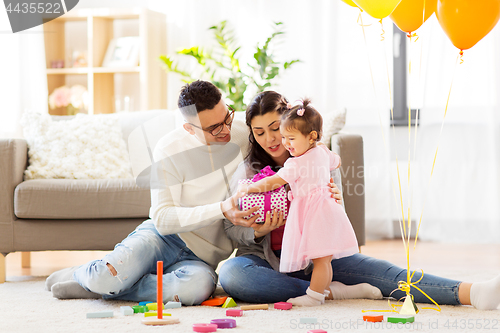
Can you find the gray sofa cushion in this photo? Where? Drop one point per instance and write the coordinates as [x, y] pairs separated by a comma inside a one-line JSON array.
[[81, 199]]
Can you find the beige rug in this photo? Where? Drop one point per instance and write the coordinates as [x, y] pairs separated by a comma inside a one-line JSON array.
[[26, 307]]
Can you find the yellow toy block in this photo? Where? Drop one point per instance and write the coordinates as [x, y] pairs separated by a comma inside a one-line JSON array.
[[229, 303]]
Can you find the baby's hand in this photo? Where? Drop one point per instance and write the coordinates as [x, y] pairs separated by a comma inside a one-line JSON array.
[[243, 189]]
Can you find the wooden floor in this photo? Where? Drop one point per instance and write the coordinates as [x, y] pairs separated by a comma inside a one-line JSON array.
[[428, 256]]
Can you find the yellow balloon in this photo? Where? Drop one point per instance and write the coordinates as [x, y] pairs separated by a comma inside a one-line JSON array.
[[378, 8], [350, 3], [409, 15]]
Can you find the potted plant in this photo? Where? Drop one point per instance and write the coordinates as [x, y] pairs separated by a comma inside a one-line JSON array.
[[221, 65]]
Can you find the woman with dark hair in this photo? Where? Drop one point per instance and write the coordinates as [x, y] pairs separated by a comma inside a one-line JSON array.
[[253, 275]]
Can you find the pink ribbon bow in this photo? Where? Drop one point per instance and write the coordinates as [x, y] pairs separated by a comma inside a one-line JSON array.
[[266, 172]]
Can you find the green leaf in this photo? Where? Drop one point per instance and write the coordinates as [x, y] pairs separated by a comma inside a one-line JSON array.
[[287, 65]]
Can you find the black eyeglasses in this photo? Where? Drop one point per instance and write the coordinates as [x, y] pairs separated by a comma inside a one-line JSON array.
[[217, 128]]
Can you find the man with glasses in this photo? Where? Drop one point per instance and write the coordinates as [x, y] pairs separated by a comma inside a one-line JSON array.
[[188, 205]]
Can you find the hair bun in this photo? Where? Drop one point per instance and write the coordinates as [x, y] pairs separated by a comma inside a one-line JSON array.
[[306, 102]]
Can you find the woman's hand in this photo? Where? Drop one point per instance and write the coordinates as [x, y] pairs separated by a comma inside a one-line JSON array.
[[335, 191], [272, 222]]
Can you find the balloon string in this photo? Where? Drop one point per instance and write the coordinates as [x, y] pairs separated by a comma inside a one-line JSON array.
[[461, 56], [360, 22], [410, 35], [382, 38], [360, 19], [405, 232], [437, 148], [416, 120]]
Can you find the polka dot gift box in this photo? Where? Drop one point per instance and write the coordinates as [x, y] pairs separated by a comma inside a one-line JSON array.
[[267, 201]]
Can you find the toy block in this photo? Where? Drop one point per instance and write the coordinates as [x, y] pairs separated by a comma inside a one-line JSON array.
[[172, 305], [283, 306], [140, 309], [224, 323], [401, 319], [155, 314], [234, 313], [255, 307], [409, 307], [216, 301], [156, 321], [204, 327], [101, 314], [126, 310], [308, 320], [373, 318], [144, 303], [154, 306], [229, 303]]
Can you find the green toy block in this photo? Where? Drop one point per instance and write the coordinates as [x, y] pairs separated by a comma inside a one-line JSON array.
[[229, 303], [401, 319], [140, 309]]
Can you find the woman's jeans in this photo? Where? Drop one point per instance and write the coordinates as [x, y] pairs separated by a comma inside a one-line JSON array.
[[251, 279], [134, 259]]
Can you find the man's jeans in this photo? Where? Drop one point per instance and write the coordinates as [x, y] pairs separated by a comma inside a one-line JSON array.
[[134, 259]]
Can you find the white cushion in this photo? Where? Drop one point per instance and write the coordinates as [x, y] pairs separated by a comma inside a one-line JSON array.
[[333, 122], [84, 147]]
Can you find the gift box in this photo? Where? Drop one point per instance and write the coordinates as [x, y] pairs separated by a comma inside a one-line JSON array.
[[267, 201]]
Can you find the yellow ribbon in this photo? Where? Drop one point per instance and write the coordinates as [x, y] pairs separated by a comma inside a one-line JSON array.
[[360, 20], [410, 35], [405, 286], [382, 38]]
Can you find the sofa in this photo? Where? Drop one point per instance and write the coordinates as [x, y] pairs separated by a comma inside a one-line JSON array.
[[96, 214]]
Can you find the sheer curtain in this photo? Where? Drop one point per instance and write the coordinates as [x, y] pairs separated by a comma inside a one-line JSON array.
[[462, 202], [23, 81]]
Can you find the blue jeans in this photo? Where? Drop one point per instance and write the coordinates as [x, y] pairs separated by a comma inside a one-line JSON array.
[[134, 259], [251, 279]]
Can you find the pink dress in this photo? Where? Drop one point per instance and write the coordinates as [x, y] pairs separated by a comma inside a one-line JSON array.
[[316, 226]]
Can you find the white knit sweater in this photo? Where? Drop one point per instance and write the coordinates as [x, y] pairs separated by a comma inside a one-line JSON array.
[[197, 178]]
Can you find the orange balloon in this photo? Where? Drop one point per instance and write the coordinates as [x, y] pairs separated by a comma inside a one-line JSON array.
[[466, 22], [409, 14], [350, 3]]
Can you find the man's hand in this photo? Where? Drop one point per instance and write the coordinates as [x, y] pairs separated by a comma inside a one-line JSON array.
[[230, 210], [270, 223], [335, 191]]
